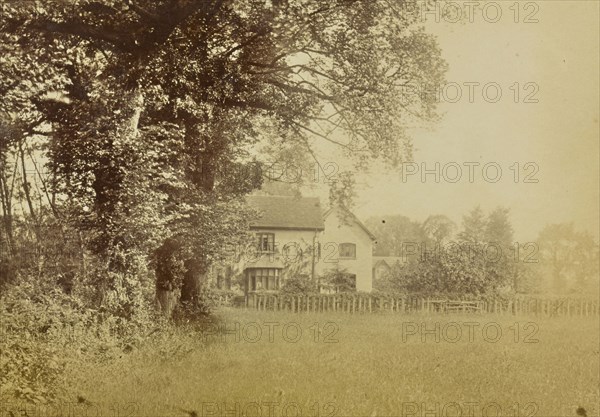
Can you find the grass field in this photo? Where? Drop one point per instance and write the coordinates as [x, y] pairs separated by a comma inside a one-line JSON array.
[[343, 365]]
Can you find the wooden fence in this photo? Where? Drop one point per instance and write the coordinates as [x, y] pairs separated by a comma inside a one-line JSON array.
[[360, 304]]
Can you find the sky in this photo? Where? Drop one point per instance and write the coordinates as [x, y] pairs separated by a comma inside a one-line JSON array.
[[543, 126]]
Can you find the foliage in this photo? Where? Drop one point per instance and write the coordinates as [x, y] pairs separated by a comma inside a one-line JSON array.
[[338, 280], [459, 269], [499, 241], [569, 258], [44, 330], [474, 226], [482, 260], [150, 109], [299, 284], [438, 229], [395, 234]]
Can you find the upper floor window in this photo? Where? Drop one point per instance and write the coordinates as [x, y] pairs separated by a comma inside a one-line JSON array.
[[347, 251], [266, 242]]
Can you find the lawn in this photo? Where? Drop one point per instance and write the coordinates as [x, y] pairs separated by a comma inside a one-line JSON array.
[[265, 363]]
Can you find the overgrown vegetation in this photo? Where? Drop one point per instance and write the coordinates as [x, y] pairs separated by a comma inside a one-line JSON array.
[[130, 133]]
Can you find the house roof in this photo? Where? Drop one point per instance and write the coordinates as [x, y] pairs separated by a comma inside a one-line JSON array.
[[387, 260], [285, 212], [354, 219]]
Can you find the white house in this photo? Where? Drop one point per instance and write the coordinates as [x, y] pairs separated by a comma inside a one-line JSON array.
[[295, 234], [285, 234], [346, 244]]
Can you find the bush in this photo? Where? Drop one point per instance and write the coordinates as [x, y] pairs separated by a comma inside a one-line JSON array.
[[464, 271], [209, 298], [44, 329], [339, 280], [299, 284]]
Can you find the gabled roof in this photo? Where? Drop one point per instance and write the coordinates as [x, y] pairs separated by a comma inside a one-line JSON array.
[[353, 218], [390, 261], [285, 212]]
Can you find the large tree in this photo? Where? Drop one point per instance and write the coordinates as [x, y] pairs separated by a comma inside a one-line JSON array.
[[501, 263], [396, 235], [474, 227], [568, 258], [157, 105], [438, 229]]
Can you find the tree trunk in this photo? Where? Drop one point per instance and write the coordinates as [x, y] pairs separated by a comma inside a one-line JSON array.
[[5, 200], [166, 301], [195, 270], [27, 192]]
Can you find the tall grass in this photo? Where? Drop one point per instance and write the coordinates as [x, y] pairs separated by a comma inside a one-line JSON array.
[[364, 365]]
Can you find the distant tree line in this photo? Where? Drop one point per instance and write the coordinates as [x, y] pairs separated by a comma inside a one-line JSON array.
[[482, 257]]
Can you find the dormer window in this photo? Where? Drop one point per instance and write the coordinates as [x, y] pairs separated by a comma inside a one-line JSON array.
[[347, 251], [266, 242]]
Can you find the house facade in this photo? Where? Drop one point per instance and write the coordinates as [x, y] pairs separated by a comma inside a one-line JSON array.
[[286, 234], [347, 245], [295, 235]]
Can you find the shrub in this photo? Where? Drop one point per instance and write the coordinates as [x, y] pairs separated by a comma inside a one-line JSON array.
[[209, 298], [339, 280], [299, 284], [44, 329]]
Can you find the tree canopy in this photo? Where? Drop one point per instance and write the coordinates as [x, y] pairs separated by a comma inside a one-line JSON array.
[[150, 112]]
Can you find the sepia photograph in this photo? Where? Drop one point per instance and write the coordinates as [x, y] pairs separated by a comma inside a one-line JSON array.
[[299, 208]]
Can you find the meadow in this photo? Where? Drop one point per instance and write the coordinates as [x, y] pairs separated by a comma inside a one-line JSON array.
[[257, 363]]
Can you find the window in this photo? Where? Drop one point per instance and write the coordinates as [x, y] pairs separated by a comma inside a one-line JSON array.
[[347, 251], [263, 278], [266, 242]]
